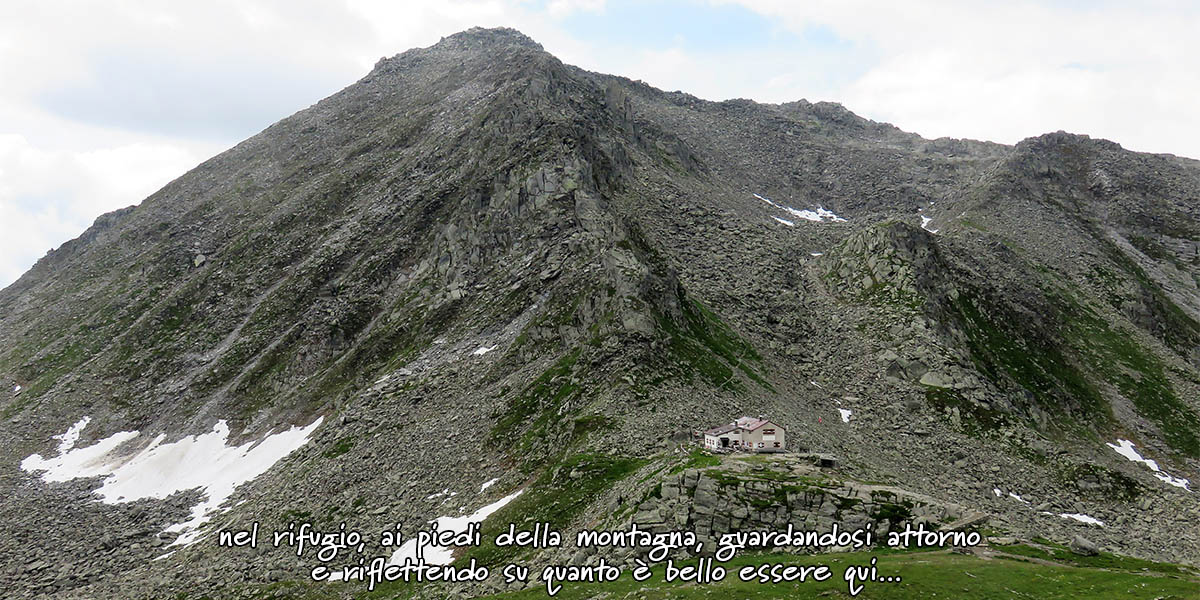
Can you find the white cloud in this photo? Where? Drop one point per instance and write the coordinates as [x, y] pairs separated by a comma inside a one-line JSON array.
[[24, 231], [106, 102], [48, 196], [1006, 71], [562, 8]]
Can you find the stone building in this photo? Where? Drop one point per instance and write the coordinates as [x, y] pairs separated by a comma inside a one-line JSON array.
[[747, 434]]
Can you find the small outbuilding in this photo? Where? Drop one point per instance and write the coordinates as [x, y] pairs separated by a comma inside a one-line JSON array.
[[747, 434]]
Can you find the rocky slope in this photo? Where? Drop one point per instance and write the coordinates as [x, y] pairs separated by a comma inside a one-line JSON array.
[[479, 263]]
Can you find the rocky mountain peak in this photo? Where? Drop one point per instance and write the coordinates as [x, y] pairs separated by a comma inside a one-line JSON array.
[[492, 45], [487, 38]]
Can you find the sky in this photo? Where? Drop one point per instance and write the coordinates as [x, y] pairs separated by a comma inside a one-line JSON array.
[[104, 102]]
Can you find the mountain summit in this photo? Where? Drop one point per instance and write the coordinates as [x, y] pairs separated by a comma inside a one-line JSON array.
[[479, 271]]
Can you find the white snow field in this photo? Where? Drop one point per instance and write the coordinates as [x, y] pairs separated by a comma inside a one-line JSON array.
[[1126, 448], [439, 555], [202, 461]]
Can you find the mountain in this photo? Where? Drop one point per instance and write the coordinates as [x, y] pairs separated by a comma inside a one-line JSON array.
[[478, 271]]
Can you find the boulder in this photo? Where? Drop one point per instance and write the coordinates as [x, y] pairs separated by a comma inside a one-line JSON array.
[[1083, 546], [937, 380]]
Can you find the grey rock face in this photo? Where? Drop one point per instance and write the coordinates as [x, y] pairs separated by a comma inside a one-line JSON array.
[[479, 263], [1083, 546]]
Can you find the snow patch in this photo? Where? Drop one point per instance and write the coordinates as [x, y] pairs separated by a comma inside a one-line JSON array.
[[1126, 448], [925, 221], [483, 350], [66, 441], [999, 493], [816, 253], [442, 555], [819, 215], [845, 414], [17, 389], [73, 463], [1082, 518], [446, 492], [198, 461], [487, 484], [784, 221]]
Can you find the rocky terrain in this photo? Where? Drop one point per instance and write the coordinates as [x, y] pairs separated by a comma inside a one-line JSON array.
[[479, 270]]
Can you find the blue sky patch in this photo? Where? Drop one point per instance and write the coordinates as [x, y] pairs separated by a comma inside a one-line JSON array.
[[693, 26]]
